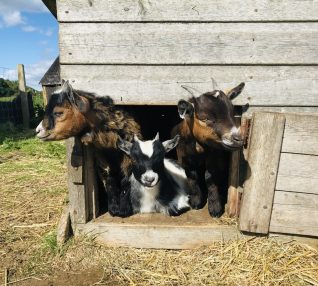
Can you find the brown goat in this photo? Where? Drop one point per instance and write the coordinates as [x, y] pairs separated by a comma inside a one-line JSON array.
[[208, 132], [95, 120]]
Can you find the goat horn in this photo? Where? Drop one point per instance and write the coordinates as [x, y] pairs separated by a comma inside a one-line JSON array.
[[157, 137], [194, 92]]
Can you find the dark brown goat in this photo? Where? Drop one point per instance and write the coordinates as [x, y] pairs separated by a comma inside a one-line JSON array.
[[208, 132], [95, 120]]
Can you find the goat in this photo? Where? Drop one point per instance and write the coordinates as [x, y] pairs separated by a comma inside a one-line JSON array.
[[156, 184], [207, 133], [95, 120]]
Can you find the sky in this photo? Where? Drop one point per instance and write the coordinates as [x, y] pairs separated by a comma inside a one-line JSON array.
[[29, 36]]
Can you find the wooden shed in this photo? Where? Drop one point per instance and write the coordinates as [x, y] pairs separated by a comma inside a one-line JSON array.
[[140, 52]]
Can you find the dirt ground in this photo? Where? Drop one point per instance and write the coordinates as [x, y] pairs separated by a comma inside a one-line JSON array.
[[32, 194]]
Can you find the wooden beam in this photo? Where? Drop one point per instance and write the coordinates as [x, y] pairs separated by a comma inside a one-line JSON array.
[[265, 143], [51, 5], [186, 10], [91, 186], [76, 185], [181, 43], [295, 213], [24, 97], [301, 134], [298, 173], [161, 85]]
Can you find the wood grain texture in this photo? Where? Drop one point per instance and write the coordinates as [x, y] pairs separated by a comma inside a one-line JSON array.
[[161, 85], [295, 213], [24, 96], [298, 173], [63, 231], [76, 186], [90, 179], [263, 158], [186, 10], [301, 135], [311, 110], [196, 43], [234, 196]]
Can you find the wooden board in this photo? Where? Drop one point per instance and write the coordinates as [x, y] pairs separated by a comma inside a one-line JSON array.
[[76, 188], [298, 173], [264, 151], [301, 135], [192, 229], [196, 43], [186, 10], [295, 213], [311, 110], [265, 85]]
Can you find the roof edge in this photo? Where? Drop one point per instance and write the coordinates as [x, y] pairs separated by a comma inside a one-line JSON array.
[[51, 5]]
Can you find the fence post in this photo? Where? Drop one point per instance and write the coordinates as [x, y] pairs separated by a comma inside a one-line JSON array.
[[24, 97]]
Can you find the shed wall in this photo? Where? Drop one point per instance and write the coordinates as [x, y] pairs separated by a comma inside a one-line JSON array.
[[140, 52]]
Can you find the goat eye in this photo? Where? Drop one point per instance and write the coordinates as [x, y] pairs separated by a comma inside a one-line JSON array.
[[57, 114]]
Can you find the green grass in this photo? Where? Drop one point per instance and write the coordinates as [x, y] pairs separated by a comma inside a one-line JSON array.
[[7, 98], [22, 141]]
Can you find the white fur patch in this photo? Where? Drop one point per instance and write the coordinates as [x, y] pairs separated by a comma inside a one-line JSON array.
[[182, 201], [235, 130], [146, 147], [40, 131], [149, 174], [148, 200]]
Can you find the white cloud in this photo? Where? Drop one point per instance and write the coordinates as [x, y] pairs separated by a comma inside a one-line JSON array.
[[22, 6], [11, 13], [29, 28], [33, 73], [12, 18]]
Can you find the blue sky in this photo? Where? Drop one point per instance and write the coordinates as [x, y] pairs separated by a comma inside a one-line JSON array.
[[29, 36]]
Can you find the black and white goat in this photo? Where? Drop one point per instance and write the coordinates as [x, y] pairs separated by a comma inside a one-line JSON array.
[[156, 184]]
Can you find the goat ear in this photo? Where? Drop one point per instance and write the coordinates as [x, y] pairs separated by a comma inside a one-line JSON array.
[[66, 87], [123, 145], [170, 144], [82, 103], [185, 108], [234, 92], [245, 107]]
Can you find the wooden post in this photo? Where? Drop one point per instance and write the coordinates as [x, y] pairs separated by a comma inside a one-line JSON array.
[[266, 136], [45, 95], [234, 196], [76, 184], [24, 97]]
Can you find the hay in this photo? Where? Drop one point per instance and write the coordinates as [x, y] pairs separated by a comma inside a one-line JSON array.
[[253, 261], [33, 191]]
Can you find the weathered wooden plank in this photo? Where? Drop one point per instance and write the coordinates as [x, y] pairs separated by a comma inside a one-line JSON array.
[[298, 173], [301, 134], [265, 85], [196, 43], [295, 213], [283, 109], [143, 236], [264, 151], [301, 200], [64, 229], [91, 186], [24, 96], [77, 196], [186, 10], [234, 196]]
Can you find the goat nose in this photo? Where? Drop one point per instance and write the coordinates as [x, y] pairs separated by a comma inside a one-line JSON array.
[[149, 179]]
